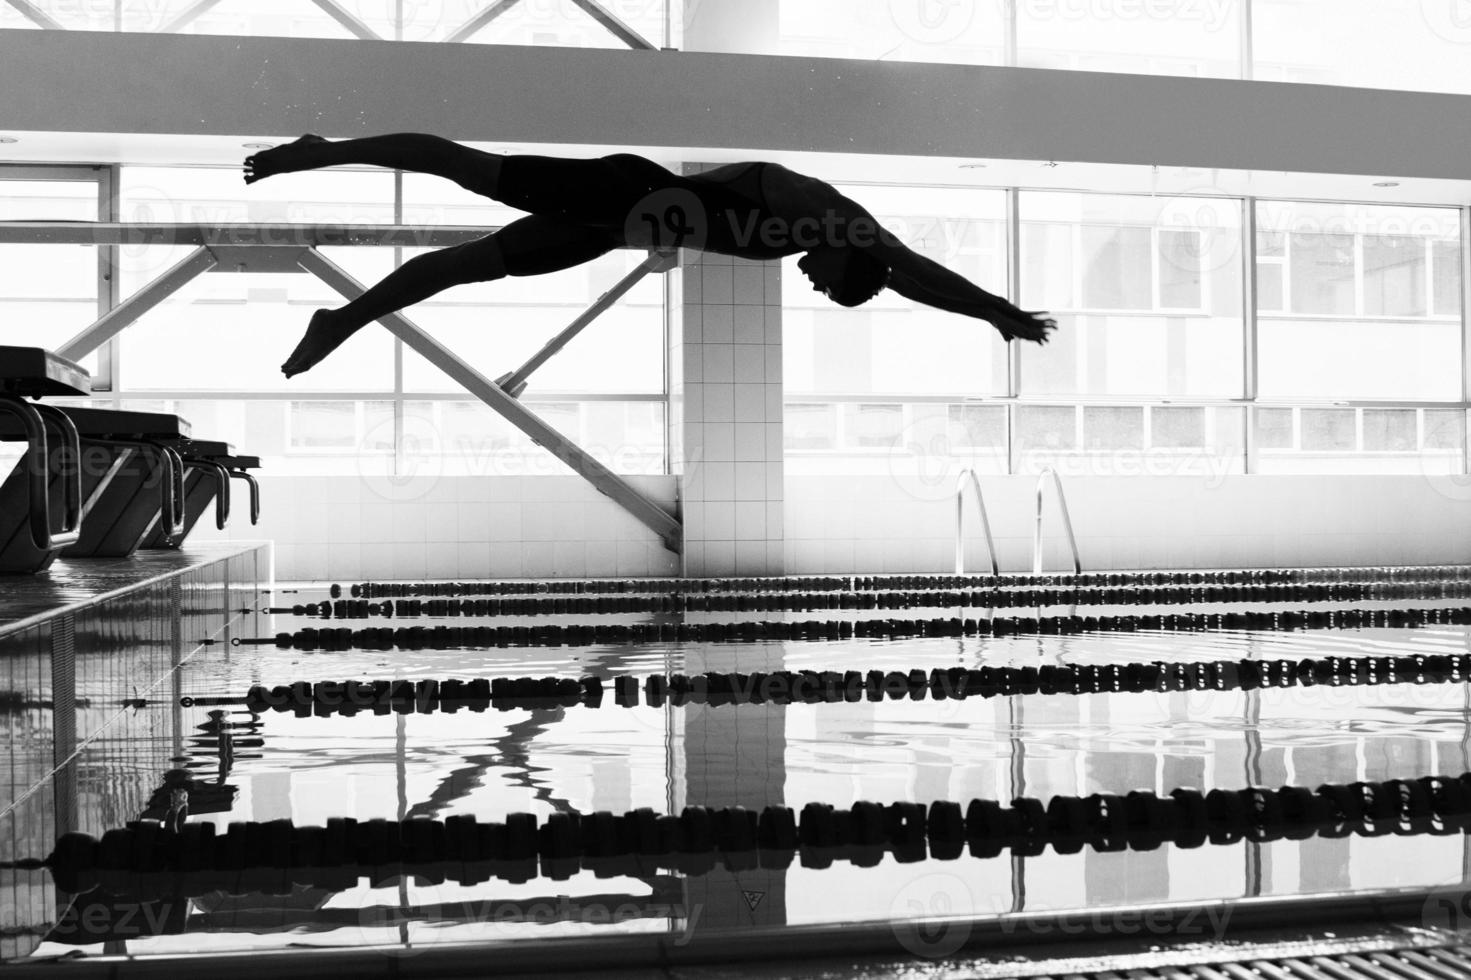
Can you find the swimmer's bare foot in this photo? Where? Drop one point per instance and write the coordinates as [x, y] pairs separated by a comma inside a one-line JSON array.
[[323, 336], [284, 159]]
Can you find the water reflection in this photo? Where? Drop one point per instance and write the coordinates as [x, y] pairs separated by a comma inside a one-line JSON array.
[[235, 766]]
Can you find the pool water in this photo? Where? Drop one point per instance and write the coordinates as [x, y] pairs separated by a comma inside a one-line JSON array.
[[611, 758]]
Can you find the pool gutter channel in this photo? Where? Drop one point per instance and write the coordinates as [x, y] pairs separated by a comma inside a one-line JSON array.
[[1000, 946]]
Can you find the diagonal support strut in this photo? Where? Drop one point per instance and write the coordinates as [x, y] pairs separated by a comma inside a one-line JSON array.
[[115, 321], [582, 463], [515, 382]]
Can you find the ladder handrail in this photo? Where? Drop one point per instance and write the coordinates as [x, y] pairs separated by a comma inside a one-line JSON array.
[[1067, 522], [960, 522]]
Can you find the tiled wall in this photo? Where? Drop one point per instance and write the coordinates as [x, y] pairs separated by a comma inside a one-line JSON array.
[[452, 527], [725, 359], [903, 524]]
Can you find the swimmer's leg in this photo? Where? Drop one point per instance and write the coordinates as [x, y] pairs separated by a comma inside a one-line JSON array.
[[474, 170], [526, 247]]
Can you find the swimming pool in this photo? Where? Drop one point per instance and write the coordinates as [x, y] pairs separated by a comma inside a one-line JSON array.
[[235, 761]]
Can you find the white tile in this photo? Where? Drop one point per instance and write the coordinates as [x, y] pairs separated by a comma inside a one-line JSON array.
[[750, 363], [750, 403], [720, 520], [692, 559], [410, 523], [443, 522], [773, 318], [570, 558], [692, 481], [837, 556], [378, 560], [719, 402], [633, 558], [696, 527], [719, 363], [750, 481], [717, 325], [441, 560], [503, 519], [717, 282], [601, 558], [750, 557], [694, 403], [775, 448], [662, 561], [472, 560], [505, 561], [750, 442], [693, 363], [344, 560], [720, 480], [720, 558], [773, 363], [750, 521], [775, 484], [773, 284], [773, 398], [750, 284], [750, 325], [410, 560], [868, 556], [776, 563], [549, 521], [775, 519], [718, 441], [344, 522], [538, 559]]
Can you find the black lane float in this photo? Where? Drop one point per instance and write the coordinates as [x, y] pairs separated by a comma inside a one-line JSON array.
[[145, 857], [752, 631]]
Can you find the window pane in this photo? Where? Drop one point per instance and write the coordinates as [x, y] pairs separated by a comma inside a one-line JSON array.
[[1162, 37], [977, 427], [1446, 279], [1445, 429], [890, 345], [1113, 428], [1389, 430], [324, 425], [1327, 429], [1394, 276], [1404, 44], [1334, 345], [1177, 428], [968, 33], [1274, 428], [1045, 428], [243, 326], [1157, 349], [809, 427], [48, 293], [1269, 296], [1179, 262], [873, 426]]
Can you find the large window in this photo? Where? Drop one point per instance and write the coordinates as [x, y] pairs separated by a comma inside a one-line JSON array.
[[1349, 362], [1147, 294], [212, 351]]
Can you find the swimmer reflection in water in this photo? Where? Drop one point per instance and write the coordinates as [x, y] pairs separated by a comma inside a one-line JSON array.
[[578, 210]]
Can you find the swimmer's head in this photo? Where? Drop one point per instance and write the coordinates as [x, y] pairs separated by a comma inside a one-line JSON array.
[[847, 276]]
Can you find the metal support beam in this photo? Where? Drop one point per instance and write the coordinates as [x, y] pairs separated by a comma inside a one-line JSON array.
[[348, 20], [616, 27], [194, 264], [515, 382], [582, 463], [480, 20], [304, 236], [36, 16], [188, 16]]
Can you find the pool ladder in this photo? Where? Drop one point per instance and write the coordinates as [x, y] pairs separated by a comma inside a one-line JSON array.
[[1067, 522]]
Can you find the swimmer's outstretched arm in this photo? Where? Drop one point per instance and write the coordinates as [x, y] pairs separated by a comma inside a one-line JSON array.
[[925, 281]]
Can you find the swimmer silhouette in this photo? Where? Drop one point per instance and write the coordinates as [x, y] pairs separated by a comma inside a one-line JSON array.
[[581, 209]]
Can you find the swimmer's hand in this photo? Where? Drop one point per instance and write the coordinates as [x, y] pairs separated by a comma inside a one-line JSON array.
[[1013, 322]]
